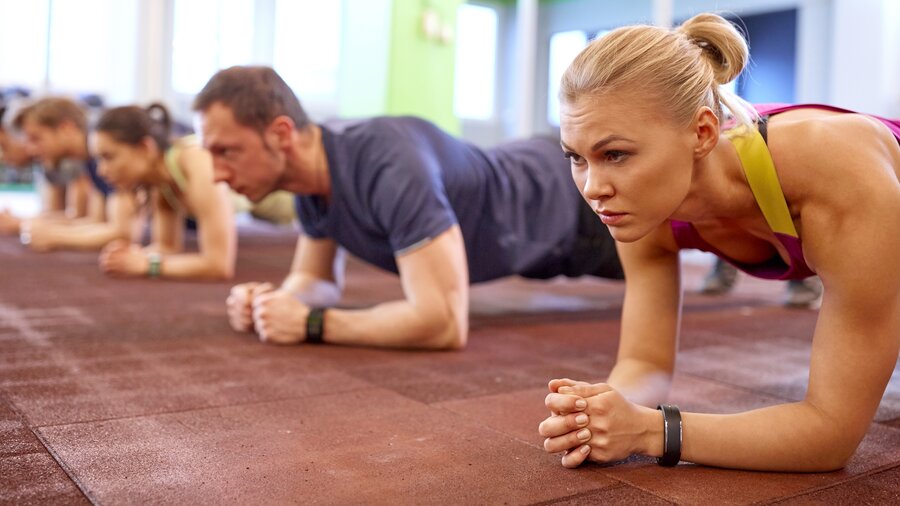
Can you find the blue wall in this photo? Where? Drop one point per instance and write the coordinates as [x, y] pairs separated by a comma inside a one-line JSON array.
[[773, 57]]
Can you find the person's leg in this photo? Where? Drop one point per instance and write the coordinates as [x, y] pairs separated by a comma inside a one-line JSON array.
[[720, 279]]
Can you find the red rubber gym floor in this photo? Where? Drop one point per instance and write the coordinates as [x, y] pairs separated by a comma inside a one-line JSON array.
[[136, 391]]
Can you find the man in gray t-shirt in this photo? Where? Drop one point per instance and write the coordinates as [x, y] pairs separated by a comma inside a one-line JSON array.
[[398, 193]]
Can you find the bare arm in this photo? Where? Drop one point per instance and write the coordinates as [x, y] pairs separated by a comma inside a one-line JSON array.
[[212, 209], [647, 347], [166, 226], [857, 336], [434, 314], [53, 199], [87, 235], [317, 272]]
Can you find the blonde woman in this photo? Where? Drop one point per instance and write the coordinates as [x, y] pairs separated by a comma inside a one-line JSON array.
[[135, 155], [788, 193]]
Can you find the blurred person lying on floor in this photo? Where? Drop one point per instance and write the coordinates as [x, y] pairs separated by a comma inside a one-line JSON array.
[[174, 180], [56, 134], [398, 193], [801, 293], [63, 189]]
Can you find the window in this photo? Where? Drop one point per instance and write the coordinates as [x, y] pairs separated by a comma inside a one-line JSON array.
[[209, 35], [85, 46], [564, 47], [476, 62], [23, 43], [307, 46], [81, 40]]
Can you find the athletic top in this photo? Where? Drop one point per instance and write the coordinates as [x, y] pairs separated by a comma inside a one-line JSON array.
[[171, 164], [399, 182], [763, 179], [99, 183]]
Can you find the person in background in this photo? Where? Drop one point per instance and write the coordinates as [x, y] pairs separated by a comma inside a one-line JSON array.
[[56, 134], [801, 293], [134, 153], [63, 191], [400, 194]]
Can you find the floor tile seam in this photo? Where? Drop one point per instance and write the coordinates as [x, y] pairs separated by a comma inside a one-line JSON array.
[[153, 369], [813, 490], [58, 359], [634, 485], [22, 454], [609, 488], [200, 409], [540, 448], [69, 472]]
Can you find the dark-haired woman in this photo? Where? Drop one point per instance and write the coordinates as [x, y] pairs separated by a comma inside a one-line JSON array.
[[176, 181]]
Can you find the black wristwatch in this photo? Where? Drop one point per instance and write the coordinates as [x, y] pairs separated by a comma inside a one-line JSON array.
[[671, 435]]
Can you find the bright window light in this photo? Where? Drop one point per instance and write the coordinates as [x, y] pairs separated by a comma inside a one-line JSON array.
[[564, 47], [209, 35], [23, 42], [476, 62], [307, 46], [80, 42]]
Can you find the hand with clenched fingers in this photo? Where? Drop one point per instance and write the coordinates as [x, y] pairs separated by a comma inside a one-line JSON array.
[[121, 258], [279, 317], [595, 422], [239, 304]]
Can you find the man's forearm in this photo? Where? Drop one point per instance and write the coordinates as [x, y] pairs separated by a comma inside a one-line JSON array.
[[396, 324]]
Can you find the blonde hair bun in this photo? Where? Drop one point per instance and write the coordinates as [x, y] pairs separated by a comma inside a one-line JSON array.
[[723, 46]]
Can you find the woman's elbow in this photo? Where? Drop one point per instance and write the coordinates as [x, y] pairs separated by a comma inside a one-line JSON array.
[[223, 272], [839, 442], [219, 270], [838, 456]]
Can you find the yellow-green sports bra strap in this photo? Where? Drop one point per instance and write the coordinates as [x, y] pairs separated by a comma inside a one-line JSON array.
[[760, 170]]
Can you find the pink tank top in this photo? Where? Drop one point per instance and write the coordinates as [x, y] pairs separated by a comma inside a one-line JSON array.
[[763, 180]]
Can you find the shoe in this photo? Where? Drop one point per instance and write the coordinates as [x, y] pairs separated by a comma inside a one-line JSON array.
[[721, 279], [805, 294]]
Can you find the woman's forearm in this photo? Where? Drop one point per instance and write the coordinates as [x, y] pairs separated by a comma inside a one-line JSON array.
[[793, 437], [87, 237], [195, 266]]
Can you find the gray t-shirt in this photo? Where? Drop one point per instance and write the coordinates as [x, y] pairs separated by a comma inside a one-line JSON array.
[[398, 182]]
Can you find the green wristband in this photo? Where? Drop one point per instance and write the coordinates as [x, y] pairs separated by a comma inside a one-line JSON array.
[[155, 268]]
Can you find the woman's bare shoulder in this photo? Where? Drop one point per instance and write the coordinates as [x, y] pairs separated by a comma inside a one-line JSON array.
[[192, 158], [818, 154]]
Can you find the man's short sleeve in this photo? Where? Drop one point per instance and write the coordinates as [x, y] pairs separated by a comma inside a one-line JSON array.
[[311, 216], [408, 198]]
